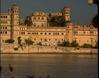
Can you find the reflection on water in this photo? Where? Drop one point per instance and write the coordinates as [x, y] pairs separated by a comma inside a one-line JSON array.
[[57, 66]]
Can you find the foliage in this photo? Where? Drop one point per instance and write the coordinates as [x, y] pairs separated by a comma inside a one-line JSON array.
[[87, 46], [29, 41], [19, 40], [39, 43], [74, 44], [9, 41], [68, 44], [28, 21], [15, 49], [64, 43], [57, 21]]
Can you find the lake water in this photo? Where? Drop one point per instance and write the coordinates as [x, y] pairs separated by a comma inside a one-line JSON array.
[[55, 65]]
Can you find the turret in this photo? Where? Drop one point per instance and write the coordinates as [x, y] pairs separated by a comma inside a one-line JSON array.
[[69, 31], [14, 14], [66, 13]]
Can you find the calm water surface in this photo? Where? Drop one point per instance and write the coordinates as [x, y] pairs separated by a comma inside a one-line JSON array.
[[57, 66]]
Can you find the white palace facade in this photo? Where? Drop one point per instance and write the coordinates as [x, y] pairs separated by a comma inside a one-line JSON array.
[[41, 31]]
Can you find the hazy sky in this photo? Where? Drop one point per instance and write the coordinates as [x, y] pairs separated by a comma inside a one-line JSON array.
[[81, 12]]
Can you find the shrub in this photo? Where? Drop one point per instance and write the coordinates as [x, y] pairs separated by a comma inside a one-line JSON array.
[[57, 21], [39, 44], [87, 46], [15, 49], [74, 44], [29, 41], [9, 41], [19, 40], [64, 43]]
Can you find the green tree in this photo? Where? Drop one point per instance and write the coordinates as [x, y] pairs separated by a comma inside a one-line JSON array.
[[28, 21], [87, 46], [74, 44], [29, 42], [57, 21], [9, 41], [39, 44], [64, 43], [19, 41]]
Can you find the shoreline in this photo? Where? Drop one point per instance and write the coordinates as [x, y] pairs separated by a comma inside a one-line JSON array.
[[83, 53], [48, 50]]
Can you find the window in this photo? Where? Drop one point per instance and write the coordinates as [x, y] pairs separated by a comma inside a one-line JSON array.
[[55, 39], [38, 17], [45, 39], [91, 32], [22, 32], [49, 33], [41, 33], [3, 40], [56, 33], [62, 33], [0, 32], [34, 18], [0, 16], [6, 32], [45, 33], [42, 24], [35, 33], [34, 39], [87, 40], [84, 32], [62, 39], [2, 27], [3, 16], [29, 33], [41, 39], [42, 18], [5, 27]]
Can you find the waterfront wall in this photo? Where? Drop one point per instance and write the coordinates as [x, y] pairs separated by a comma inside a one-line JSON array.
[[45, 49]]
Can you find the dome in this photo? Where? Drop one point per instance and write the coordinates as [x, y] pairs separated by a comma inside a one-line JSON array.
[[40, 13], [14, 6], [69, 23], [66, 8]]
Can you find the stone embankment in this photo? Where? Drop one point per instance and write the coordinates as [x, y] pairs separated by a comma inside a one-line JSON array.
[[46, 49]]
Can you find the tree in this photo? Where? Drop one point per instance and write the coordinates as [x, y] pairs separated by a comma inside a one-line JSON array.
[[28, 21], [39, 44], [57, 21], [87, 46], [64, 43], [29, 41], [19, 40], [9, 41], [74, 44]]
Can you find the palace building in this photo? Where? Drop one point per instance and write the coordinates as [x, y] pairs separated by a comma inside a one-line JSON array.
[[40, 31]]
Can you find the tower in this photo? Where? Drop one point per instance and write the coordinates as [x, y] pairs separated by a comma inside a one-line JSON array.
[[69, 32], [14, 14], [66, 13]]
